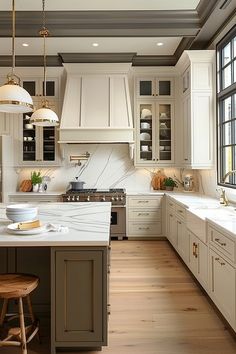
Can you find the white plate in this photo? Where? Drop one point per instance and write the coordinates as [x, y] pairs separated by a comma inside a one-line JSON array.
[[145, 136], [13, 229]]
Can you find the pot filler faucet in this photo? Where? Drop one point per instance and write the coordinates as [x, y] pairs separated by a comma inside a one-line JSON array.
[[223, 198]]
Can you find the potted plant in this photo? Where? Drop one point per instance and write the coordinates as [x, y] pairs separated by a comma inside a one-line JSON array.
[[170, 184], [36, 180]]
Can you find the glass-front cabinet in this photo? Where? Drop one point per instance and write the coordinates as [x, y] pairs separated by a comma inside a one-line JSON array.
[[154, 132], [154, 87], [35, 87], [38, 144]]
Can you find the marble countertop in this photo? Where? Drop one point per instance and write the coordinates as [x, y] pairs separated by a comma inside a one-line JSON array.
[[37, 193], [88, 223]]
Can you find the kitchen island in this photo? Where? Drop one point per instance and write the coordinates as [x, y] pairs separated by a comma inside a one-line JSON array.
[[73, 270]]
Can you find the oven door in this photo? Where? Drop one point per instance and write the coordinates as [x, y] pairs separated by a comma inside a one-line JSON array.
[[118, 221]]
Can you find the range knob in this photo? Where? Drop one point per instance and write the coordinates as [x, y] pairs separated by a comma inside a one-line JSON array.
[[77, 198], [117, 199], [112, 199], [88, 198], [121, 198], [103, 199], [73, 198], [68, 198]]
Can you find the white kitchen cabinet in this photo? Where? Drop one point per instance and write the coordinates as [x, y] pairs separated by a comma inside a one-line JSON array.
[[154, 132], [198, 259], [195, 131], [34, 85], [144, 216], [31, 197], [37, 145], [153, 87], [223, 286]]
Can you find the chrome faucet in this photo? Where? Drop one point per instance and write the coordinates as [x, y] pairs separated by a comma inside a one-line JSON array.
[[223, 198]]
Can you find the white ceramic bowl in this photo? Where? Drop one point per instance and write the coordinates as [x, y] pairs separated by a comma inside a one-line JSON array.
[[144, 148], [146, 113], [145, 125], [21, 212], [29, 126]]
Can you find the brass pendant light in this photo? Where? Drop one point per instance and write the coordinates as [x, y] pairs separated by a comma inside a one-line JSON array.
[[44, 116], [13, 97]]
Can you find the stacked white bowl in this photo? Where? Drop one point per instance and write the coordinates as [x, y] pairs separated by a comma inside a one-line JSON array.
[[21, 212]]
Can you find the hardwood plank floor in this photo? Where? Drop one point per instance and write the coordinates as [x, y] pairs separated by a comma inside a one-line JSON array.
[[156, 306]]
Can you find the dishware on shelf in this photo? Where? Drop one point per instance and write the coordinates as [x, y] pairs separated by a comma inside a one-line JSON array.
[[25, 138], [145, 136], [145, 125], [163, 115], [163, 125], [30, 138], [161, 148], [21, 212], [13, 229], [167, 148], [146, 113], [29, 126], [144, 148]]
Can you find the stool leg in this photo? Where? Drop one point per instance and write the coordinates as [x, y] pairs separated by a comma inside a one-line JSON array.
[[32, 315], [4, 311], [22, 326]]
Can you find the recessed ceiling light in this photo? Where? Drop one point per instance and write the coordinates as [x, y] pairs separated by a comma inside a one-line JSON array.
[[25, 44], [95, 44], [160, 44]]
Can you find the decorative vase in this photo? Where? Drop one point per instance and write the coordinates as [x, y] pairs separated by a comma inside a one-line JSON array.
[[35, 187], [40, 188]]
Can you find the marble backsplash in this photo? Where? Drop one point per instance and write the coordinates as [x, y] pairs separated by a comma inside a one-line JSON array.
[[109, 166]]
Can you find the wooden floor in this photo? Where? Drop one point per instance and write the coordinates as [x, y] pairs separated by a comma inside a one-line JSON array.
[[156, 306]]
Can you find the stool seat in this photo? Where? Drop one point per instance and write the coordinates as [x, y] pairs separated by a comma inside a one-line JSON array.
[[17, 285]]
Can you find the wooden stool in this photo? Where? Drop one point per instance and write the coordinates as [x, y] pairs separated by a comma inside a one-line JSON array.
[[18, 286]]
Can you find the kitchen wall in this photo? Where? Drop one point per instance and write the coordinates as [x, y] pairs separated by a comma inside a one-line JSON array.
[[109, 166]]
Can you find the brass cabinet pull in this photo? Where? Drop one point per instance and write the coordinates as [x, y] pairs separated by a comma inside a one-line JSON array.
[[143, 201], [171, 215], [221, 243], [196, 250], [180, 211], [144, 214], [217, 259], [185, 159], [179, 222], [193, 248], [144, 228]]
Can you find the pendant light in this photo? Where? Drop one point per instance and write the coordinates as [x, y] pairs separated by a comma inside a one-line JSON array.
[[13, 97], [44, 116]]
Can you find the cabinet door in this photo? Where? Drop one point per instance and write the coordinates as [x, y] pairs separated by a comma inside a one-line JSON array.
[[186, 131], [164, 131], [35, 87], [198, 260], [223, 286], [145, 130], [172, 229], [79, 303], [182, 240], [186, 81], [193, 262], [145, 88], [164, 87]]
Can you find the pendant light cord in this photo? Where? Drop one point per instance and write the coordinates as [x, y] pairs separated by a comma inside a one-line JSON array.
[[13, 37], [44, 32]]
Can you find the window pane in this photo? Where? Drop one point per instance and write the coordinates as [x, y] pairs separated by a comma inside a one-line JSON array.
[[227, 157], [227, 109], [227, 76], [234, 106], [226, 54], [234, 70], [227, 137]]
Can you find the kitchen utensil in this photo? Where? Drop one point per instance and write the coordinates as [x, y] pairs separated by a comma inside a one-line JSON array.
[[76, 184], [145, 136], [145, 125], [13, 229], [146, 113]]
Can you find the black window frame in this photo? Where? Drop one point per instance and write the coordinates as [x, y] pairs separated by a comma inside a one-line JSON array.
[[221, 95]]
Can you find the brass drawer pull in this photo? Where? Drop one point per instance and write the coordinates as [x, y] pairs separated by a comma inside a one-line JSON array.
[[143, 201], [179, 222], [221, 243], [144, 214], [219, 261], [144, 228]]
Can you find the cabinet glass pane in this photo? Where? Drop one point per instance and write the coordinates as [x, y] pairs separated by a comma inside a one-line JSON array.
[[29, 148], [30, 86], [145, 88], [164, 88], [227, 133], [227, 79], [226, 53], [165, 131], [50, 88], [146, 134], [227, 109], [48, 144], [234, 64], [234, 44]]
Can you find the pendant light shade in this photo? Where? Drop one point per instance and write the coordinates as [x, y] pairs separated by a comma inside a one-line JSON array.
[[13, 97], [44, 116]]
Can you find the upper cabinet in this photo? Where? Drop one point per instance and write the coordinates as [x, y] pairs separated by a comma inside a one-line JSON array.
[[153, 87], [35, 87], [196, 109]]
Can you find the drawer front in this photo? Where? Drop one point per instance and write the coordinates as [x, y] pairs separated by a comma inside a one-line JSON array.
[[144, 215], [144, 202], [170, 204], [180, 211], [223, 243], [142, 229]]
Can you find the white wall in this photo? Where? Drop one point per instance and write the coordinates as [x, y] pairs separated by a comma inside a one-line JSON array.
[[109, 166]]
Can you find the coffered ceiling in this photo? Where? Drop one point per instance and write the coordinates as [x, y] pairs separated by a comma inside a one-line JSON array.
[[109, 30]]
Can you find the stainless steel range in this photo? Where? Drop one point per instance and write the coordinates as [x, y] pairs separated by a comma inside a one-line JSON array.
[[117, 197]]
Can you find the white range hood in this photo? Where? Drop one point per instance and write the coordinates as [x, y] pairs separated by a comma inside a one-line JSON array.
[[96, 106]]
